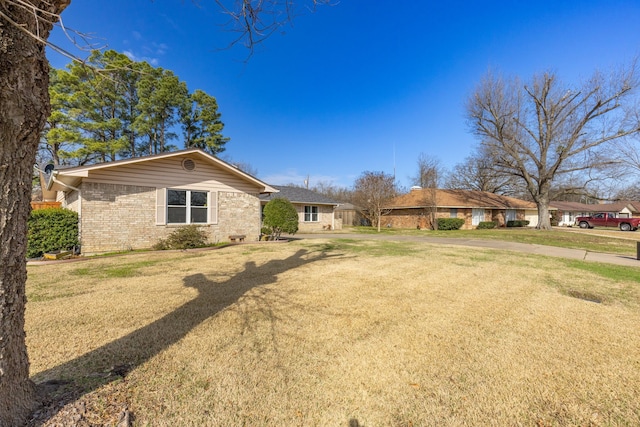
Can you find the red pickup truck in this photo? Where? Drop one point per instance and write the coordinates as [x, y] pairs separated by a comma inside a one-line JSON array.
[[608, 220]]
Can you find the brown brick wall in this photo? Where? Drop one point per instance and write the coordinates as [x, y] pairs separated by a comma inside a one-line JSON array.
[[411, 218]]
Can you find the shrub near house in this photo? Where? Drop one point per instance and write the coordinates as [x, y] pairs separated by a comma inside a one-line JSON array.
[[51, 229], [487, 225], [518, 223], [280, 216], [450, 223]]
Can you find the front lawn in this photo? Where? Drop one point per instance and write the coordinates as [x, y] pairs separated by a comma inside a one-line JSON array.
[[338, 333], [606, 240]]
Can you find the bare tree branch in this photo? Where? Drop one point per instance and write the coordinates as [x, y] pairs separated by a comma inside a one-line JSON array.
[[544, 130]]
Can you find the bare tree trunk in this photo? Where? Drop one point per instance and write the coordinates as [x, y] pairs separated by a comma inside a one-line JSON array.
[[542, 202], [544, 220], [24, 107]]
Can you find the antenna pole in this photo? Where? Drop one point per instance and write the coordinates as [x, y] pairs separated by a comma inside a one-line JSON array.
[[394, 162]]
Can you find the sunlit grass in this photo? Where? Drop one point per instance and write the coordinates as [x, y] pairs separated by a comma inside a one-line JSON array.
[[623, 244], [340, 332]]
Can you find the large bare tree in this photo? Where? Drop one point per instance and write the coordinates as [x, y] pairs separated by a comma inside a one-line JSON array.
[[25, 26], [372, 192], [543, 130], [477, 172]]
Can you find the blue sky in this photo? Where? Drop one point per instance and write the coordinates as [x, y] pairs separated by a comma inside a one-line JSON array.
[[362, 85]]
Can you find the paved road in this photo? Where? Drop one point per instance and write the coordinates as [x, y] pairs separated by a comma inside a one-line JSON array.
[[493, 244]]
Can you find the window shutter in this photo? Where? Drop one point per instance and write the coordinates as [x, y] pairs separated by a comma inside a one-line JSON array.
[[213, 207], [161, 206]]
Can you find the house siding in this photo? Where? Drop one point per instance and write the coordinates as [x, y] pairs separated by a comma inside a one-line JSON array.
[[168, 173], [117, 217]]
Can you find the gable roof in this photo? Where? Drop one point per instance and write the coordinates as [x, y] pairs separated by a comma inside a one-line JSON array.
[[576, 206], [64, 178], [419, 198], [600, 207], [633, 205], [299, 195]]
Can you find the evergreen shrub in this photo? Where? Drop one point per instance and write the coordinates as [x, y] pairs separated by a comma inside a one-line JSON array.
[[518, 223], [280, 216], [51, 229], [486, 225], [187, 237], [450, 223]]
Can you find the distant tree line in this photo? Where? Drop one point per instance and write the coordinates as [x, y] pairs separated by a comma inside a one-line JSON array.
[[112, 107]]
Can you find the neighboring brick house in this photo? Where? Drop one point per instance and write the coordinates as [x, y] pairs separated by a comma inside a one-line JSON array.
[[316, 212], [418, 207], [132, 203], [568, 211]]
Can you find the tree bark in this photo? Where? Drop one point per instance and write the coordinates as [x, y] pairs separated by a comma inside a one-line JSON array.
[[24, 107], [544, 221]]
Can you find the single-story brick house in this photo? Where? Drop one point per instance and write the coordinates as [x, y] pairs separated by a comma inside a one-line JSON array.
[[415, 209], [568, 211], [132, 203], [316, 212]]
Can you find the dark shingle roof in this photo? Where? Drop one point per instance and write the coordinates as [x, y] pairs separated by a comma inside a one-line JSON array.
[[298, 195]]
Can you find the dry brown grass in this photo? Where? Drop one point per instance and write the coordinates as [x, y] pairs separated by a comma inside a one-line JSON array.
[[337, 333]]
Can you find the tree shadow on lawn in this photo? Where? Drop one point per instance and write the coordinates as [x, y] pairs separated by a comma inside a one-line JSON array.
[[69, 381]]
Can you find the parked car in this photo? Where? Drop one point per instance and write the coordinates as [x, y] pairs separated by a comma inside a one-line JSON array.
[[608, 220]]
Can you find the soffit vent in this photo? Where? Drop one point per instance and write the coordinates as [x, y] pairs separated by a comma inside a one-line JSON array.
[[188, 165]]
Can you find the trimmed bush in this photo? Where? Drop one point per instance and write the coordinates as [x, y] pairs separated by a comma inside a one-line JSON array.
[[486, 225], [518, 223], [280, 216], [450, 223], [187, 237], [51, 229]]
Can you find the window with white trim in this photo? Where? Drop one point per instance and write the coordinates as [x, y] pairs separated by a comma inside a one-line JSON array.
[[310, 214], [453, 213], [187, 207]]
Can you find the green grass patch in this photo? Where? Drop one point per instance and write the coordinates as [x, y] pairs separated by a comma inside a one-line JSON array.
[[613, 272], [607, 284], [558, 238], [40, 295], [123, 270]]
